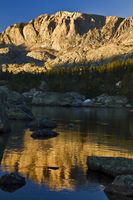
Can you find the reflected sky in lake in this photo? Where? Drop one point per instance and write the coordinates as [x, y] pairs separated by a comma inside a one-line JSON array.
[[83, 132]]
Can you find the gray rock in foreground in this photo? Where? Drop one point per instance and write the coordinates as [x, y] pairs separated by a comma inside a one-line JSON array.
[[122, 185], [110, 165], [124, 180]]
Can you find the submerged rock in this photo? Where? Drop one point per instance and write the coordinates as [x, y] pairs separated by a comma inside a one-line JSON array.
[[110, 165], [43, 123], [44, 134], [11, 182]]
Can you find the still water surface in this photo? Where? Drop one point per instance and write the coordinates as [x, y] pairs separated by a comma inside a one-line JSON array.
[[83, 132]]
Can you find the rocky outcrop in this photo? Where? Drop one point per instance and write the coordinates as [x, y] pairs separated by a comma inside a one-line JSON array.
[[38, 97], [58, 99], [105, 100], [66, 39], [32, 93]]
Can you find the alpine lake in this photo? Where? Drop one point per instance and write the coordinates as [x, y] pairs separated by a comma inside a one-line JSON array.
[[56, 169]]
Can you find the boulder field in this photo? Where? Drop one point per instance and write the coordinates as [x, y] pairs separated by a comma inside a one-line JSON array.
[[74, 99]]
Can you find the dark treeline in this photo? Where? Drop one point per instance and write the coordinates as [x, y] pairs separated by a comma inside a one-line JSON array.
[[90, 81]]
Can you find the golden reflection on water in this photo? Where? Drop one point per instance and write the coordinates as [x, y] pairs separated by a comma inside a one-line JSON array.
[[68, 151]]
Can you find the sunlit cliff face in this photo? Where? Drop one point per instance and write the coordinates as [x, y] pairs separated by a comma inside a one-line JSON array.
[[68, 151]]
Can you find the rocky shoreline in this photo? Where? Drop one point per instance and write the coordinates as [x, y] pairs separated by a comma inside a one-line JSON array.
[[13, 105], [74, 99]]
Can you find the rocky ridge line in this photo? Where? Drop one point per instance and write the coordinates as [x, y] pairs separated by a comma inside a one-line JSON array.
[[65, 38]]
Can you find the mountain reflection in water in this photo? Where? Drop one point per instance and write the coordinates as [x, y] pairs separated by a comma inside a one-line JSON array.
[[83, 132]]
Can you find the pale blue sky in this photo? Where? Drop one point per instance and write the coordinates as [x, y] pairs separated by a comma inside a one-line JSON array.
[[13, 11]]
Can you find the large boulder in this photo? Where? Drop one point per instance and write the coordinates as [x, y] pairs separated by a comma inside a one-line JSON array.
[[32, 93], [122, 185], [105, 100], [15, 105], [43, 123], [12, 96], [110, 165], [44, 134], [58, 99], [4, 122]]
